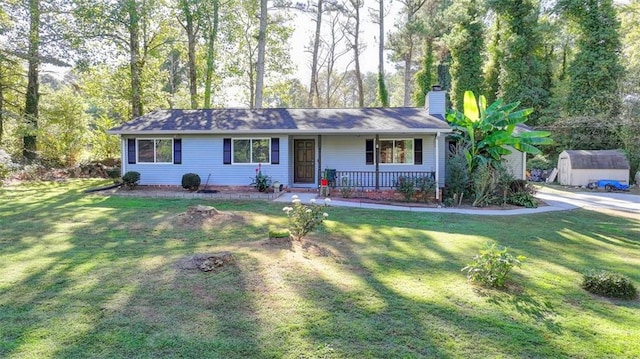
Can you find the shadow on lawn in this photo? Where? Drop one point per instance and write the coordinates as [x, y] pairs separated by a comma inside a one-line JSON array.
[[105, 284], [573, 241], [69, 293], [382, 321], [525, 304]]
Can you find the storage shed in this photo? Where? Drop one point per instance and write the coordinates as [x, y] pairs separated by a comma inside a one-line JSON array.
[[580, 167]]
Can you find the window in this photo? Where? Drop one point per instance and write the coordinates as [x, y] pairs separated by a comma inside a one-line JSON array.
[[396, 151], [159, 150], [251, 150]]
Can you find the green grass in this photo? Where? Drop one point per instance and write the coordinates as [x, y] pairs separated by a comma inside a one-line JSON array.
[[96, 276]]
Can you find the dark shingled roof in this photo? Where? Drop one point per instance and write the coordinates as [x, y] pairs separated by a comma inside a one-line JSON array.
[[281, 120], [598, 159]]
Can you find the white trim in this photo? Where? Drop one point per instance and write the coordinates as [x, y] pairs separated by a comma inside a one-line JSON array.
[[413, 149], [285, 132], [155, 152]]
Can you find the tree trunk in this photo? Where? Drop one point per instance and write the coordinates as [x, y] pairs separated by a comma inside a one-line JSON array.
[[32, 96], [2, 86], [382, 87], [191, 52], [408, 59], [313, 85], [262, 39], [211, 41], [135, 62], [356, 50], [407, 77]]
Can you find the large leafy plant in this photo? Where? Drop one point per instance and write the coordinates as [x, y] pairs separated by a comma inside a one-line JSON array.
[[487, 132]]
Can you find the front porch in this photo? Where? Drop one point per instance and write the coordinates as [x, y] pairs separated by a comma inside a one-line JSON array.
[[372, 179]]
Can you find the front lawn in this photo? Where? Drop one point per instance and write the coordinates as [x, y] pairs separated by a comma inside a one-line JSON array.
[[98, 276]]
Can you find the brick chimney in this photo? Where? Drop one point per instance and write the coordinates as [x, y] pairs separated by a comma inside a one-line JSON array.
[[436, 101]]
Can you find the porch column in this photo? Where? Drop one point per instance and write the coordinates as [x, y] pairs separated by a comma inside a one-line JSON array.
[[319, 158], [377, 162], [437, 170]]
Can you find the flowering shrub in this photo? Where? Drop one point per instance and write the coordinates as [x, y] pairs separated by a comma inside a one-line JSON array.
[[261, 181], [304, 218]]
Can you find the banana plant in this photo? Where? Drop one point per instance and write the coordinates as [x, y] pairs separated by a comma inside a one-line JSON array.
[[488, 132]]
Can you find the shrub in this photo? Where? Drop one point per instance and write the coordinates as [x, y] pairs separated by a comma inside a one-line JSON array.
[[426, 186], [6, 165], [504, 178], [484, 185], [491, 266], [457, 177], [406, 186], [521, 194], [609, 284], [131, 179], [191, 181], [346, 187], [261, 181], [304, 218], [540, 162]]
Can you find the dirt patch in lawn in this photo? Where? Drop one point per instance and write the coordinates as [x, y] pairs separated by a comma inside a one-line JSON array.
[[207, 262], [307, 247], [205, 217]]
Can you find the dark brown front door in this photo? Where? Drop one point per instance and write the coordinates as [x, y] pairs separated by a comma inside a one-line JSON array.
[[304, 161]]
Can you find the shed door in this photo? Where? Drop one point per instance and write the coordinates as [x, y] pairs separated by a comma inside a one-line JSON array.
[[304, 161], [564, 171]]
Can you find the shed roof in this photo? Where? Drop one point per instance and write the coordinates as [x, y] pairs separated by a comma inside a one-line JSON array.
[[281, 120], [597, 159]]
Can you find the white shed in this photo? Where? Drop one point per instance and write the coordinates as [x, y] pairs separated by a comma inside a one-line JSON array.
[[580, 167]]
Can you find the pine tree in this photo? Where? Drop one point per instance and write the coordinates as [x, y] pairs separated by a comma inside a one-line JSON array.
[[522, 73], [492, 67], [465, 43], [596, 68], [423, 76]]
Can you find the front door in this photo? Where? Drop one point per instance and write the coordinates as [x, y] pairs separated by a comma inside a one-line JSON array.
[[304, 161]]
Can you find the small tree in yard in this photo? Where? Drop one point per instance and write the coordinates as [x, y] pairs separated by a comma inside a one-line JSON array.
[[486, 134], [304, 218]]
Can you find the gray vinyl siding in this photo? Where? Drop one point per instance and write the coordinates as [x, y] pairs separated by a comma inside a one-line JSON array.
[[204, 155], [347, 153], [515, 163]]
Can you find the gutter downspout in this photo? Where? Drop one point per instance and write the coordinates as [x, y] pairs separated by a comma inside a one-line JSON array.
[[377, 149], [319, 160]]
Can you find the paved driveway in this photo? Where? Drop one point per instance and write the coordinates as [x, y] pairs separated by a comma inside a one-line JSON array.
[[617, 201], [556, 199]]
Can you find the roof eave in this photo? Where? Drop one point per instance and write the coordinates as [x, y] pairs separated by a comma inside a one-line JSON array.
[[288, 132]]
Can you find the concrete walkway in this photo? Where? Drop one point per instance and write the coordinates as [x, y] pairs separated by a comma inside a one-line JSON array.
[[555, 200]]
